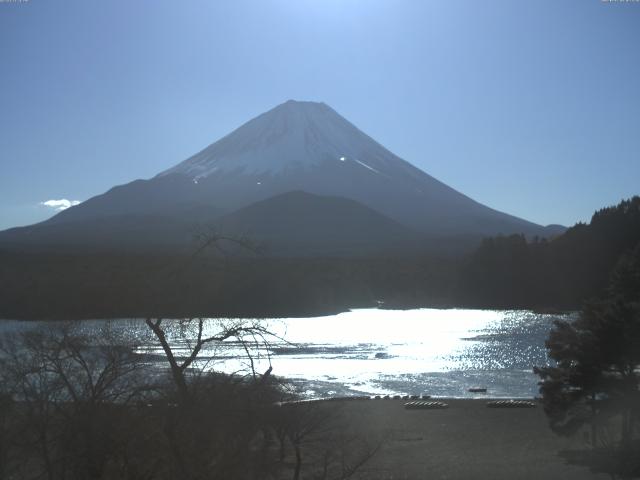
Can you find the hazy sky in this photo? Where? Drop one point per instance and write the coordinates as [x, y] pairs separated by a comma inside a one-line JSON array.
[[530, 107]]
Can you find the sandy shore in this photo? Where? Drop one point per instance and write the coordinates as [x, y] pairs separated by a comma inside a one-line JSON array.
[[468, 440]]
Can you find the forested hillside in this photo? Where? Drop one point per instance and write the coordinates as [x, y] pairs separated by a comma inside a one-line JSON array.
[[511, 272]]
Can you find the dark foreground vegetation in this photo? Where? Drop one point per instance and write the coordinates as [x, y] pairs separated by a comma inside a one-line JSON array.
[[74, 407], [595, 380], [504, 272]]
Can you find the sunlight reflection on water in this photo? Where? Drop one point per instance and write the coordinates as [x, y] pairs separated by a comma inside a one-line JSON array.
[[371, 351]]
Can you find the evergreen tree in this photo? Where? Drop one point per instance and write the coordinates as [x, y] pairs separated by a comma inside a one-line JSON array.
[[596, 379]]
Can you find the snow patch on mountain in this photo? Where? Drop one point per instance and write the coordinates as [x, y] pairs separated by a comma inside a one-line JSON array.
[[367, 166]]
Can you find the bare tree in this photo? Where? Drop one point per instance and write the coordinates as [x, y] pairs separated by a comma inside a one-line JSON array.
[[71, 389], [323, 443], [251, 335]]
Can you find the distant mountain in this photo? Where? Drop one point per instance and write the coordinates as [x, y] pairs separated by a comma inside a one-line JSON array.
[[299, 223], [295, 147]]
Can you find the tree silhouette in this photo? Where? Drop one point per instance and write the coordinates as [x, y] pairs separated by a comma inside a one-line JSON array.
[[596, 379], [512, 272]]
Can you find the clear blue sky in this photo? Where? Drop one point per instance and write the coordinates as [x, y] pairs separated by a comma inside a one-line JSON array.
[[531, 107]]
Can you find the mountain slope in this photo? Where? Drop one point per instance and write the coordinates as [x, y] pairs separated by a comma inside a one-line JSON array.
[[291, 224], [299, 223], [121, 233]]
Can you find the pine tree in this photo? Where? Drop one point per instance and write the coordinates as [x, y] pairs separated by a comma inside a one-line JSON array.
[[596, 378]]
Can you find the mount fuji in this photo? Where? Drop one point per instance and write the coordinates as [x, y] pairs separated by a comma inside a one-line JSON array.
[[345, 183]]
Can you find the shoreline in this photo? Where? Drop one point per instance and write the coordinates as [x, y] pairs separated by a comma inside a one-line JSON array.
[[298, 314], [406, 398]]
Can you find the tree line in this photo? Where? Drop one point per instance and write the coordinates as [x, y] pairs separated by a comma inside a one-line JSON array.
[[561, 273], [110, 285], [503, 272]]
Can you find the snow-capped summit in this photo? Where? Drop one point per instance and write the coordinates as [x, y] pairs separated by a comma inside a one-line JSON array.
[[294, 135]]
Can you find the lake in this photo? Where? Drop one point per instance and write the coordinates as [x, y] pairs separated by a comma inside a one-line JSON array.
[[441, 352]]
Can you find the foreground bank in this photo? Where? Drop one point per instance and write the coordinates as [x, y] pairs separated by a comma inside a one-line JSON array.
[[465, 440]]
